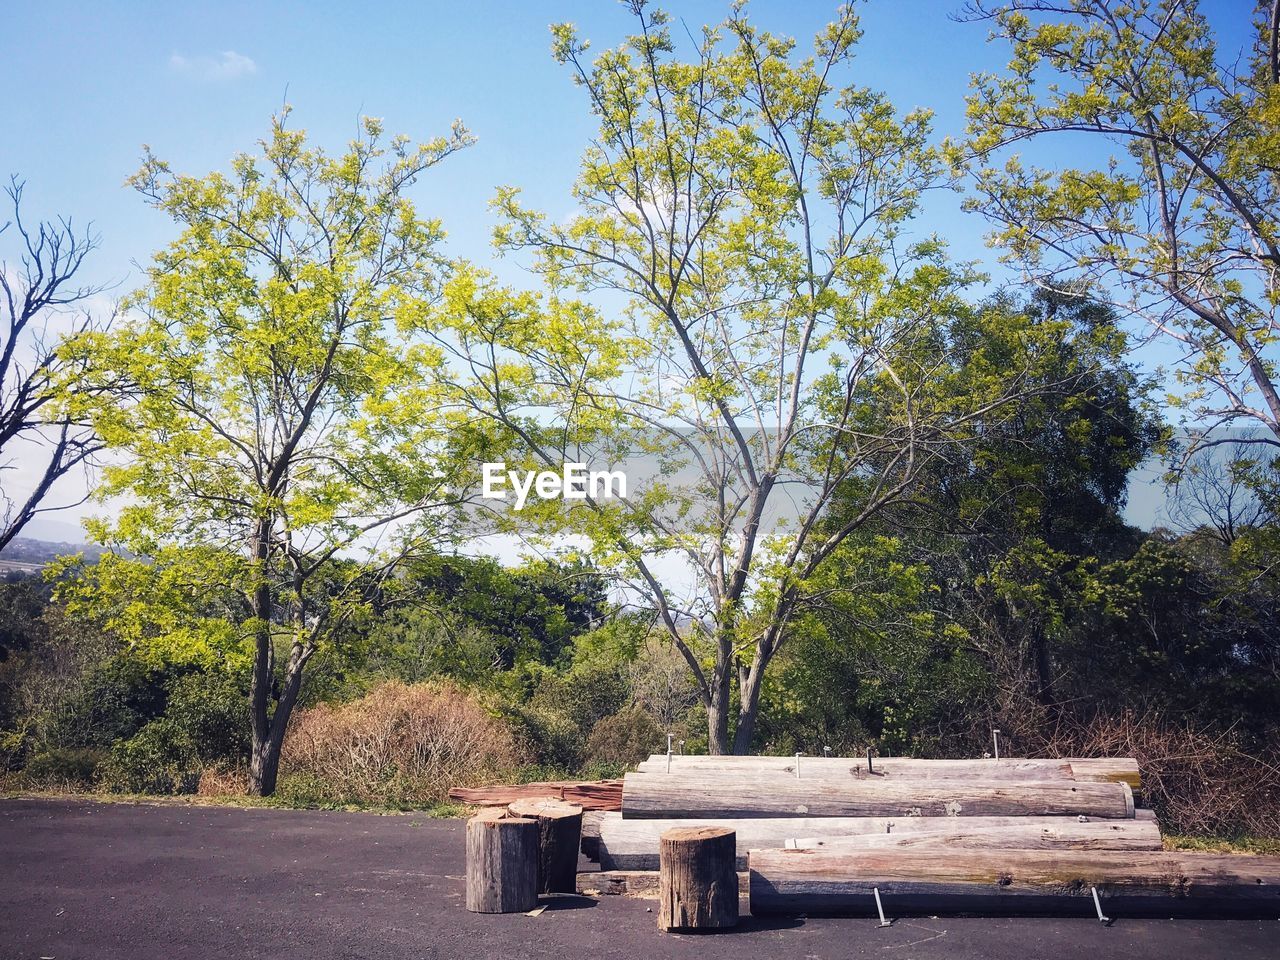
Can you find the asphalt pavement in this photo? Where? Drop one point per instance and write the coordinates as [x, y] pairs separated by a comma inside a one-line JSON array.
[[82, 880]]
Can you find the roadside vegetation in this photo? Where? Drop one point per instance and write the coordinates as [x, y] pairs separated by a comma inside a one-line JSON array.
[[294, 405]]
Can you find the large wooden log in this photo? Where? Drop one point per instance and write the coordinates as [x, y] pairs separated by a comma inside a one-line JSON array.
[[1107, 770], [697, 879], [743, 795], [590, 795], [629, 844], [502, 863], [1012, 882], [895, 768], [959, 833], [559, 837]]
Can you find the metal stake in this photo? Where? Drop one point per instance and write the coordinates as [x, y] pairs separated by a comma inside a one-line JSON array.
[[880, 908], [797, 766], [668, 759], [870, 768], [995, 740], [1097, 905]]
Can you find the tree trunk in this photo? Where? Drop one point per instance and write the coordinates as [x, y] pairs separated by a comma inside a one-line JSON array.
[[263, 761], [718, 713], [748, 709], [697, 879]]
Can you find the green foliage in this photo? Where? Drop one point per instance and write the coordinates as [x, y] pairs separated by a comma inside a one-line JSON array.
[[60, 767], [624, 739], [160, 758], [1182, 135]]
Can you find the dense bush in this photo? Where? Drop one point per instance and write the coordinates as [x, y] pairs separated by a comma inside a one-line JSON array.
[[160, 758], [61, 767], [400, 745], [623, 739], [1196, 780]]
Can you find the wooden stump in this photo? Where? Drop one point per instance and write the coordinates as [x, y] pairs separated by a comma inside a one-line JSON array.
[[502, 863], [697, 879], [559, 837]]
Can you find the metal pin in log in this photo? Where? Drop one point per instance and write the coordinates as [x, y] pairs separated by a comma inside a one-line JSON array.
[[995, 741], [880, 908], [870, 768], [1097, 905], [797, 766]]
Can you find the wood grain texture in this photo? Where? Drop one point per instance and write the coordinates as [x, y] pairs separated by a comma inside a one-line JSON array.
[[1012, 882], [724, 795], [697, 880], [559, 839], [630, 844], [502, 863], [590, 795], [959, 834], [892, 768], [1093, 769]]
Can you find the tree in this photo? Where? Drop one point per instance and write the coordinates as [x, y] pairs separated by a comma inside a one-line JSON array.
[[1182, 227], [287, 441], [774, 334], [44, 288]]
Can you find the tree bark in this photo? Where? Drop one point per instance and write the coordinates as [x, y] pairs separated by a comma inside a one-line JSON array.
[[263, 761], [718, 712], [559, 839], [697, 879], [502, 863]]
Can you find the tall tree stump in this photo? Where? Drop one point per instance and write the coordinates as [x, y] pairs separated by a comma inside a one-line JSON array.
[[559, 838], [697, 879], [502, 863]]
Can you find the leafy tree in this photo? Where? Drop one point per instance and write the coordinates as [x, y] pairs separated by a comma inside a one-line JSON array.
[[286, 419], [1181, 226], [742, 216], [950, 603]]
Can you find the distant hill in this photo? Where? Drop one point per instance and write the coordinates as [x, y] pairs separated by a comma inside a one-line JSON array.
[[27, 555]]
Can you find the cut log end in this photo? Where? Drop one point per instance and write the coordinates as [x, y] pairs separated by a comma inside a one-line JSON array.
[[502, 863], [559, 839], [697, 879]]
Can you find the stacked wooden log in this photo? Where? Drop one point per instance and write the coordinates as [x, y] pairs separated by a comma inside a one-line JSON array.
[[588, 794], [1009, 836]]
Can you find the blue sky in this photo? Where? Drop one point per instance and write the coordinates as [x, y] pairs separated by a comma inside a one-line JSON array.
[[87, 84]]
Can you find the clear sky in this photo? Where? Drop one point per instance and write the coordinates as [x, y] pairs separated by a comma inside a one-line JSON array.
[[87, 84]]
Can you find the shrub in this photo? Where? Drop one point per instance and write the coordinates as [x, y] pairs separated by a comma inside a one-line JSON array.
[[211, 711], [62, 767], [160, 758], [1198, 781], [625, 738], [399, 745]]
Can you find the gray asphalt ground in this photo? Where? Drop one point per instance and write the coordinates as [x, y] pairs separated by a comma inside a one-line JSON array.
[[94, 881]]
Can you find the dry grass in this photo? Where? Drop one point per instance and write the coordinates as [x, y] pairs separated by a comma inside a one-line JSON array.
[[1199, 782], [398, 745]]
